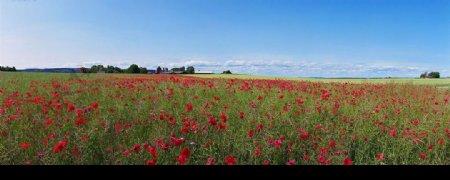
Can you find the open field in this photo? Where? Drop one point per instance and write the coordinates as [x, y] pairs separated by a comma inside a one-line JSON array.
[[52, 118], [443, 82]]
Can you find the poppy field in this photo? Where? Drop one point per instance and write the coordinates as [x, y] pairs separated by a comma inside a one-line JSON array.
[[104, 119]]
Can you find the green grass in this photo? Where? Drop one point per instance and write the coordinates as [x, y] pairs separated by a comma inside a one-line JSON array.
[[44, 110]]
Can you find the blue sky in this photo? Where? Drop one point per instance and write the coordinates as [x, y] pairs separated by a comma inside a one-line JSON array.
[[327, 38]]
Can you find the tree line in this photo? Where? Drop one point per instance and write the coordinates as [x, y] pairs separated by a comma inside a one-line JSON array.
[[133, 69], [182, 70], [7, 68], [430, 75]]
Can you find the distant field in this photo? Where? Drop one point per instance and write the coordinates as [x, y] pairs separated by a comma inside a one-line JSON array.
[[444, 82]]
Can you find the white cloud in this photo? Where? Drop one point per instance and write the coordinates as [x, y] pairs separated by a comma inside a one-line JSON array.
[[307, 69], [200, 63]]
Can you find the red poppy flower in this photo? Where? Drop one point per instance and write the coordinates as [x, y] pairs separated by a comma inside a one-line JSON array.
[[223, 117], [94, 104], [332, 143], [79, 112], [322, 160], [230, 160], [440, 141], [75, 152], [151, 162], [136, 148], [423, 155], [241, 115], [306, 157], [71, 108], [185, 152], [380, 156], [58, 147], [250, 133], [212, 121], [185, 130], [181, 159], [277, 143], [126, 153], [325, 94], [253, 105], [266, 162], [221, 126], [260, 127], [260, 98], [24, 145], [304, 135], [299, 100], [258, 151], [416, 140], [347, 161], [189, 107], [80, 121], [392, 132], [210, 161], [117, 127], [377, 110], [152, 151]]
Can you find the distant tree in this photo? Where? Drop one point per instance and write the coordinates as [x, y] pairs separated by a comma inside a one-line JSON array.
[[190, 70], [226, 72], [143, 70], [7, 68], [100, 68], [430, 75], [84, 70], [158, 70], [93, 69], [133, 69], [109, 69], [434, 75], [423, 75], [117, 70], [182, 69]]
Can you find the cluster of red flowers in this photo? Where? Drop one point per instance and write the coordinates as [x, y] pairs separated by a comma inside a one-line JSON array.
[[184, 120]]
